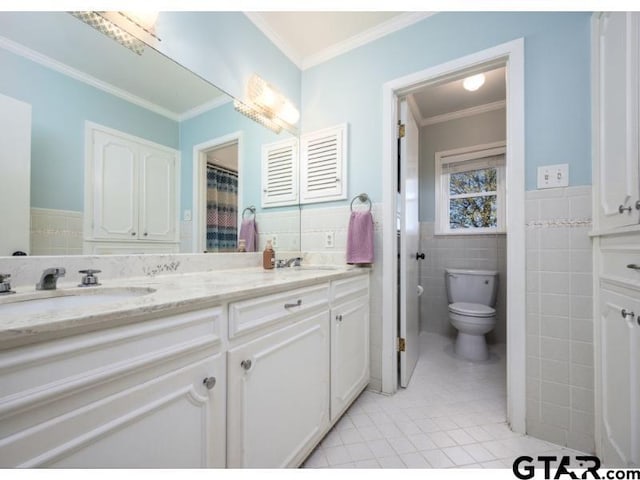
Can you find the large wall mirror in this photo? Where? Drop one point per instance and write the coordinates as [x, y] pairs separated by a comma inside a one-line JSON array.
[[84, 89]]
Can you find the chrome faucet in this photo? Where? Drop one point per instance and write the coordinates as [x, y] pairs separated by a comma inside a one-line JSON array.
[[49, 278], [292, 262], [5, 284]]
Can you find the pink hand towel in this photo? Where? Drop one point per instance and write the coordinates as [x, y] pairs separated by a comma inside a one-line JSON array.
[[360, 238], [249, 233]]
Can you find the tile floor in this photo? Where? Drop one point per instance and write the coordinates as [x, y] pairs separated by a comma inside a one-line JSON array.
[[452, 415]]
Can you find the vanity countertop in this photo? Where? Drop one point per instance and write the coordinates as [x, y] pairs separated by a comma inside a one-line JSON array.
[[169, 294]]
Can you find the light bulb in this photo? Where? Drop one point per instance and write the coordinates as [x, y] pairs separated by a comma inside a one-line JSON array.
[[289, 113], [474, 82]]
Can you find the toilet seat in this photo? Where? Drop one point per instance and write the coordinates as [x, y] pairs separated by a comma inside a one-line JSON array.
[[472, 309]]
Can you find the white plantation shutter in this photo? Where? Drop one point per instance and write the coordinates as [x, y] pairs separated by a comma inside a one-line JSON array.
[[280, 173], [323, 165]]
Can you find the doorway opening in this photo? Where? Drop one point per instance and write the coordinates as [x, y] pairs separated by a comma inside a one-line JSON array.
[[216, 193], [463, 205]]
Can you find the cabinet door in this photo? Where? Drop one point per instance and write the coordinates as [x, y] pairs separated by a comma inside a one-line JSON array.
[[619, 382], [115, 187], [278, 405], [280, 173], [617, 94], [158, 202], [349, 353]]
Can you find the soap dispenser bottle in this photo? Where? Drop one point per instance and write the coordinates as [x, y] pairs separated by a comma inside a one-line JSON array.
[[268, 256]]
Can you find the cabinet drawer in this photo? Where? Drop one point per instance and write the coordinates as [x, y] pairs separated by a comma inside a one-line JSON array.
[[249, 315], [50, 369], [618, 262], [349, 288]]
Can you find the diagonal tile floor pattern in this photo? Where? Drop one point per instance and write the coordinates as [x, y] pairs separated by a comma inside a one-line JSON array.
[[452, 415]]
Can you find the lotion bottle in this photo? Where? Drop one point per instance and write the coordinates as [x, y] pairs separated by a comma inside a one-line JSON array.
[[268, 256]]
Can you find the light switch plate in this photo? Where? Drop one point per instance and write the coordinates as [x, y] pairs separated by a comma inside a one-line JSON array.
[[553, 176], [186, 216]]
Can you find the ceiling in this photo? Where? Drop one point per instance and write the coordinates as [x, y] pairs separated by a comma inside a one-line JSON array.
[[71, 43], [445, 98], [309, 38]]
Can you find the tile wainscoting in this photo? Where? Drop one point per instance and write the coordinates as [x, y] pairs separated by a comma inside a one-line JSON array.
[[56, 232]]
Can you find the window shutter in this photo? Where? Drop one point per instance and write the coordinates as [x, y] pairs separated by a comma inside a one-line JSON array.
[[280, 173], [323, 165]]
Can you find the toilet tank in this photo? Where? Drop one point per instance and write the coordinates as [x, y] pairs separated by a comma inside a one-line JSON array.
[[472, 286]]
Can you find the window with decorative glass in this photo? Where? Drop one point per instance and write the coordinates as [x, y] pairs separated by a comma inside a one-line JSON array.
[[470, 190]]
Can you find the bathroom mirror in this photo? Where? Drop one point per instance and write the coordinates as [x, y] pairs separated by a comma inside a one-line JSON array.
[[73, 76]]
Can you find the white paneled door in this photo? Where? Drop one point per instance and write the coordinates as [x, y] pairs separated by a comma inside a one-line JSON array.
[[409, 244]]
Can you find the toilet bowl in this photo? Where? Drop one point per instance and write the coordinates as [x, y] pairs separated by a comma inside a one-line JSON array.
[[473, 321], [472, 295]]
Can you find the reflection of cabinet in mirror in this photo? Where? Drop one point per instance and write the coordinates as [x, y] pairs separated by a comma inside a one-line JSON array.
[[15, 176], [131, 201]]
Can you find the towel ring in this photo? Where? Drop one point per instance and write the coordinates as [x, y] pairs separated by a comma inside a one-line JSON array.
[[251, 209], [363, 197]]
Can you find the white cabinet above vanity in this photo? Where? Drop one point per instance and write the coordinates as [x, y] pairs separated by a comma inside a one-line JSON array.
[[236, 368]]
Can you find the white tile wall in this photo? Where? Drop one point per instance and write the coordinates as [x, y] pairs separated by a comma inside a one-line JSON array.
[[560, 376], [56, 232], [487, 252]]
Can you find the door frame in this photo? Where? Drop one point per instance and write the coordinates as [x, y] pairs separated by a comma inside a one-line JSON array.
[[511, 55], [198, 207]]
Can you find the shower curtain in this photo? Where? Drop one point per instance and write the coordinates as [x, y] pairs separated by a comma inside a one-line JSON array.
[[222, 209]]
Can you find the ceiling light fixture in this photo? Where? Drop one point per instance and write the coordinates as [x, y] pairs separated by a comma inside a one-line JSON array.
[[267, 106], [133, 30], [474, 82]]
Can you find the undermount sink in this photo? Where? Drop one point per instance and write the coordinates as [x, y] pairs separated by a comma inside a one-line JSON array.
[[57, 300]]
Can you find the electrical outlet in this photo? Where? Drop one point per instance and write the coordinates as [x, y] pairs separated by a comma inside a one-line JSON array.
[[186, 216], [274, 241], [329, 239], [552, 176]]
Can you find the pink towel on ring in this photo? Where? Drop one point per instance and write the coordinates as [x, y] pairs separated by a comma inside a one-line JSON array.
[[360, 238], [249, 233]]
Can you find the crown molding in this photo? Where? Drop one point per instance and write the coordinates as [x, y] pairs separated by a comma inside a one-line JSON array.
[[466, 112], [392, 25], [200, 109], [290, 52], [60, 67]]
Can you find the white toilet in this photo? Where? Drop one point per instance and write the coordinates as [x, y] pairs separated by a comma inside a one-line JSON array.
[[472, 295]]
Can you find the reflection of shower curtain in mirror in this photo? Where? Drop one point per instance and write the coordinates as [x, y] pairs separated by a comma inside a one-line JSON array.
[[222, 209]]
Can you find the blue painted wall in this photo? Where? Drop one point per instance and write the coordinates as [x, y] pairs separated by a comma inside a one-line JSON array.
[[226, 48], [220, 122], [557, 89], [60, 107]]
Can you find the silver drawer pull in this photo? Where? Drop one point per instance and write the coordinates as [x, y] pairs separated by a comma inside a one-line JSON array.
[[209, 382], [291, 305], [622, 209], [246, 364], [633, 266], [626, 314]]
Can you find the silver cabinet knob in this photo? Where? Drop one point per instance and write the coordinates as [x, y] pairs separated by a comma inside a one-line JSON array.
[[246, 364], [133, 234], [145, 234], [339, 318], [625, 313], [209, 382], [622, 209]]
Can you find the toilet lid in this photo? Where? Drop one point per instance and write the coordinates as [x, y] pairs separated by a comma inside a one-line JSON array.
[[472, 309]]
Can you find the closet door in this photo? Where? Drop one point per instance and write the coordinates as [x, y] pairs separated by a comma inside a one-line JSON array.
[[115, 187], [158, 209]]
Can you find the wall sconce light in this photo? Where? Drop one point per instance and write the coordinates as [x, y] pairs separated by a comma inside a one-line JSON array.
[[267, 106], [133, 30]]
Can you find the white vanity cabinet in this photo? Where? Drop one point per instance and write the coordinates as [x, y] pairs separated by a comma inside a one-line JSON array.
[[131, 193], [349, 342], [616, 83], [127, 397], [278, 391]]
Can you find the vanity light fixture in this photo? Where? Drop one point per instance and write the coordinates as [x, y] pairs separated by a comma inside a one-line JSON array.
[[267, 106], [474, 82], [133, 30]]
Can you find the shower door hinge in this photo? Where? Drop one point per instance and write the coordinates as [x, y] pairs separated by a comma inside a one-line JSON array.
[[401, 344], [400, 130]]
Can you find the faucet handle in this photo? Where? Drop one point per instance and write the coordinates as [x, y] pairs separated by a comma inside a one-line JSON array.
[[89, 280], [5, 283], [4, 276]]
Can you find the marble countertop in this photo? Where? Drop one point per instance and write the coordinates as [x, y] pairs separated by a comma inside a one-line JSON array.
[[144, 298]]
